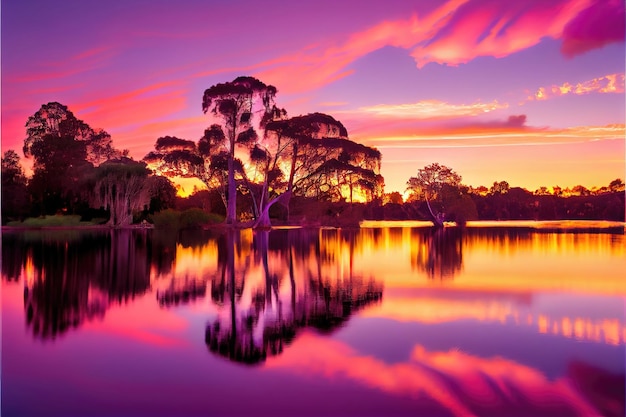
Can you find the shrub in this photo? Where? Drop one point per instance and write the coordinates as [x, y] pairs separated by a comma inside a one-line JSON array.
[[166, 219], [190, 218], [194, 217]]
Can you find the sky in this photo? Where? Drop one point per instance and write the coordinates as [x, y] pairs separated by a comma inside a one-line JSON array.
[[526, 91]]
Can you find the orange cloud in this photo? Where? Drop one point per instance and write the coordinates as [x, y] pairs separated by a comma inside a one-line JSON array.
[[482, 135], [430, 109], [612, 83]]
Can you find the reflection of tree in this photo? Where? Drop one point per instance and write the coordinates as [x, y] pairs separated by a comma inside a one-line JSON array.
[[70, 280], [440, 253], [299, 288]]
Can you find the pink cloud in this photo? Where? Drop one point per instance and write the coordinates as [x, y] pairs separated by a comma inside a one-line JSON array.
[[454, 33], [324, 63], [138, 107], [598, 25], [496, 29]]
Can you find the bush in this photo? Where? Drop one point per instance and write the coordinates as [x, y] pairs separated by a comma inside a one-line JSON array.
[[194, 217], [190, 218], [166, 219], [52, 221]]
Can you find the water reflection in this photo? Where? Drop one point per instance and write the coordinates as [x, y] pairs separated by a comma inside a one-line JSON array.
[[474, 322], [440, 254], [461, 383], [291, 284], [73, 278]]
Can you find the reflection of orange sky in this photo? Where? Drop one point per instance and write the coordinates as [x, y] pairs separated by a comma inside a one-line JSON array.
[[496, 284], [494, 383], [497, 281], [584, 263], [429, 310]]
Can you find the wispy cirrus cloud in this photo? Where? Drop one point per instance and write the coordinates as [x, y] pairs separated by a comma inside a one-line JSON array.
[[136, 107], [612, 83], [79, 63]]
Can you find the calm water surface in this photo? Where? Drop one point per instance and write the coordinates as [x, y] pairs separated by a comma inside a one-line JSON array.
[[382, 321]]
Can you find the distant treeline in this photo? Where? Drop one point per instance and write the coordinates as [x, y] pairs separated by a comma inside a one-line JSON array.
[[516, 204], [296, 170], [520, 204]]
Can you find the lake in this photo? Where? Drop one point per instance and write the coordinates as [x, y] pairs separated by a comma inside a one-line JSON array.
[[393, 319]]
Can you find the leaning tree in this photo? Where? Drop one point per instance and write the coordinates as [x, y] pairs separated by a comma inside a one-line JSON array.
[[431, 184]]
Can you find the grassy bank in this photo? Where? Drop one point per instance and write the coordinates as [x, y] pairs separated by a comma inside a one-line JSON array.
[[55, 221]]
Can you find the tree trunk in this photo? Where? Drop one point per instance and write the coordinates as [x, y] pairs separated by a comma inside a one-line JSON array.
[[264, 222], [231, 209], [437, 219]]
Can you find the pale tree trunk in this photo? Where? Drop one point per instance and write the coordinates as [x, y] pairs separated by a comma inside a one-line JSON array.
[[264, 222], [231, 209], [437, 218]]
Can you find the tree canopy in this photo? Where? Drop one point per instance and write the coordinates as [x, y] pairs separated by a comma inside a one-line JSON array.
[[307, 155], [55, 120]]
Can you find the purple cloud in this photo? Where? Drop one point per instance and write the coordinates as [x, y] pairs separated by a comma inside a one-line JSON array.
[[598, 25]]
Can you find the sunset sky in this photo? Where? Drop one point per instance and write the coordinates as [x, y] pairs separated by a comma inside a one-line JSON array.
[[527, 91]]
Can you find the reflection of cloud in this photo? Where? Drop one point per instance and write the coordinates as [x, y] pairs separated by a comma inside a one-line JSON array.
[[612, 83], [430, 310], [481, 385], [145, 323]]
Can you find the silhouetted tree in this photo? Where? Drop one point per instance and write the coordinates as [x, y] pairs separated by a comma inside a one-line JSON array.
[[580, 190], [121, 188], [55, 120], [393, 198], [429, 184], [616, 186], [162, 193], [233, 103], [59, 171], [499, 187], [15, 204], [323, 162]]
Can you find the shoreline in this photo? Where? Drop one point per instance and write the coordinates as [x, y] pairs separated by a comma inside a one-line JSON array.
[[563, 224]]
